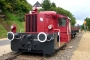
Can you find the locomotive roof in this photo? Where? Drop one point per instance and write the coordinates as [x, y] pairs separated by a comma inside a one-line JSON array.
[[64, 16], [48, 12]]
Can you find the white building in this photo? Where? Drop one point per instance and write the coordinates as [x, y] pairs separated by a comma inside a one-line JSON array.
[[38, 5]]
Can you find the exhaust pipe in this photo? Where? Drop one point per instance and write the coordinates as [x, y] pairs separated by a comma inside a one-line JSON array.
[[10, 36]]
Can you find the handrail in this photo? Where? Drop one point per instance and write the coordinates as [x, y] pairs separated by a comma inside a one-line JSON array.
[[21, 30], [59, 35], [67, 30]]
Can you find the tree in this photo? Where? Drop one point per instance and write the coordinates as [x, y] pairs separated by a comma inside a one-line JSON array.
[[15, 7], [4, 4], [53, 5], [82, 27], [46, 5], [87, 22]]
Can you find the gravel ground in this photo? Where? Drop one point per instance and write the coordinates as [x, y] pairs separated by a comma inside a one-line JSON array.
[[83, 51], [69, 49], [65, 54]]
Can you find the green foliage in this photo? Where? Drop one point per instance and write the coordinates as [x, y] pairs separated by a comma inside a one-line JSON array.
[[53, 5], [73, 20], [2, 32], [14, 5], [87, 22], [20, 15], [15, 9], [16, 16], [82, 27], [10, 16], [20, 25], [47, 5]]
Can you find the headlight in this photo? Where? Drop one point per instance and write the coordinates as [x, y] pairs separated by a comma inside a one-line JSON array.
[[12, 26], [42, 37], [50, 27], [10, 36]]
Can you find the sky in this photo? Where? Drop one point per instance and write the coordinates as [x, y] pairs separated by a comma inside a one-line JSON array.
[[79, 8]]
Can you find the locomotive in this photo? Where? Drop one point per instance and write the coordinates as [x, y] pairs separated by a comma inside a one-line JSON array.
[[45, 32]]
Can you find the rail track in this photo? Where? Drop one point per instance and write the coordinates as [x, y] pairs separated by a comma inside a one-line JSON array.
[[13, 57], [18, 54]]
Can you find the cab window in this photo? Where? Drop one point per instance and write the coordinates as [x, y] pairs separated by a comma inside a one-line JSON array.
[[61, 21]]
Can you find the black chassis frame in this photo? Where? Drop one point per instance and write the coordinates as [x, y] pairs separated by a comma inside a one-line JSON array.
[[27, 44]]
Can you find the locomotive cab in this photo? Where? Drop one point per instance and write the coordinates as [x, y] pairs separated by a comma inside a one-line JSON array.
[[63, 29]]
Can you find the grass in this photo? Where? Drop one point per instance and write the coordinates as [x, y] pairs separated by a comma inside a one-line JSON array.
[[3, 32], [6, 23], [20, 25], [11, 16]]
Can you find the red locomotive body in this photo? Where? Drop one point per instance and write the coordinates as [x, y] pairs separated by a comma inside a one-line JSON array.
[[45, 32]]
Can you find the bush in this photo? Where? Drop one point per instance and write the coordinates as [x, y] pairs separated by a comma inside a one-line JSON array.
[[16, 16]]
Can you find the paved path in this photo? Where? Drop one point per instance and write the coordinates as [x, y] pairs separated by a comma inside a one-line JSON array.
[[3, 39], [4, 46], [4, 49], [83, 50], [4, 42]]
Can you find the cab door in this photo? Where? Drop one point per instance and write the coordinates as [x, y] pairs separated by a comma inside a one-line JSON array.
[[62, 25]]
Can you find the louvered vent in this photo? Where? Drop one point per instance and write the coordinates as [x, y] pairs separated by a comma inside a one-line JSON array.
[[31, 23]]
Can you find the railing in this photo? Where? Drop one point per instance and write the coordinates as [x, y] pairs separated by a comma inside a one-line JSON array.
[[21, 30], [59, 35]]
